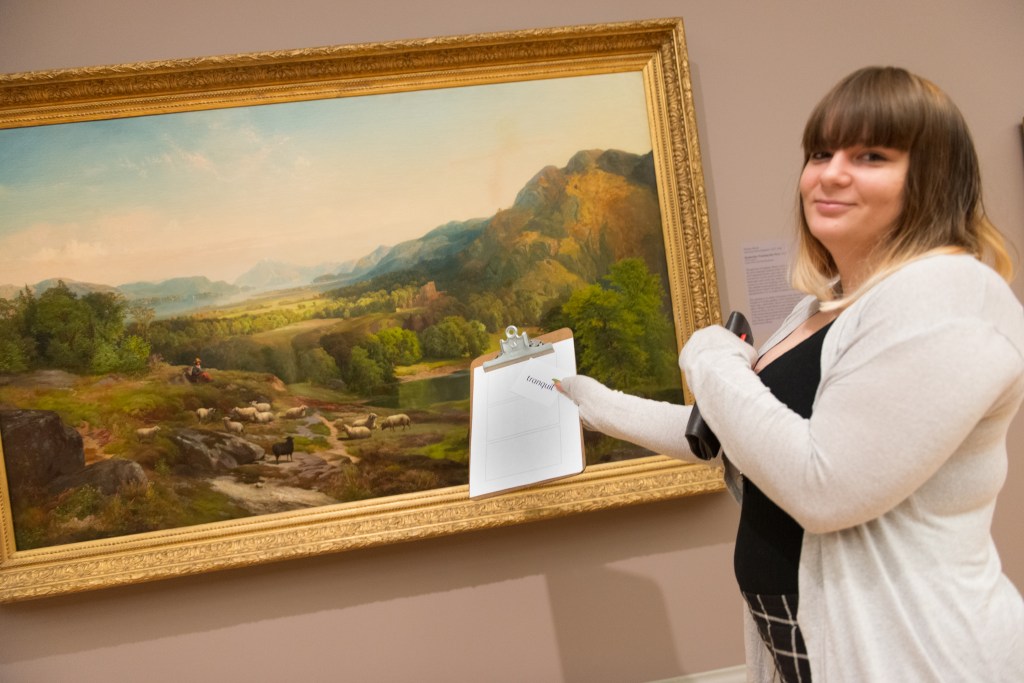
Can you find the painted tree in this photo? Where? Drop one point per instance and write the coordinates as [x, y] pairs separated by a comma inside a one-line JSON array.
[[623, 334], [454, 337], [59, 329], [400, 346]]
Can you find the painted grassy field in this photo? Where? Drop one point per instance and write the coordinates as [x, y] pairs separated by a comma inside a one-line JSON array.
[[326, 467], [204, 458]]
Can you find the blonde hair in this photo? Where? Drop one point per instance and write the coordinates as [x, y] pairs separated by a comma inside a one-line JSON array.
[[942, 210]]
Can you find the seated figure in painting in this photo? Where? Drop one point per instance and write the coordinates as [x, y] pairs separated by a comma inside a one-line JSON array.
[[196, 374]]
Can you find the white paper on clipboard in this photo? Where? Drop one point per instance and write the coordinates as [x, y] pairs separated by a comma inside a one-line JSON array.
[[518, 436]]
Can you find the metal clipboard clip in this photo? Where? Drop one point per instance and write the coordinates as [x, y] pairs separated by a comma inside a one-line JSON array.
[[517, 347]]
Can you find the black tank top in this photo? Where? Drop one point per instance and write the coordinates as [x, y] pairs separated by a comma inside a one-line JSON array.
[[767, 555]]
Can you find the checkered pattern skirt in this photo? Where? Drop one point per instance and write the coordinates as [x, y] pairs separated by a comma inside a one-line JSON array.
[[775, 616]]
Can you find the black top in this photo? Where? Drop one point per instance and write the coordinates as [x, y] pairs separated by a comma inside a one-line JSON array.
[[767, 555]]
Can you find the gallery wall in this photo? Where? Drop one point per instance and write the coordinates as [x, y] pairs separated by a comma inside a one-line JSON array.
[[637, 594]]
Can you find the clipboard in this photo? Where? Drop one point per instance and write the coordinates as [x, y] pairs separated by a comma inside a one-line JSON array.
[[517, 440]]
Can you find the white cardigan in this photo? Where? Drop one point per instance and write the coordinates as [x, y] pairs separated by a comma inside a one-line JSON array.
[[894, 477]]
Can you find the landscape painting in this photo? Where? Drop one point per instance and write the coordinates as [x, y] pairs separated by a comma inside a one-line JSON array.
[[217, 317], [332, 267]]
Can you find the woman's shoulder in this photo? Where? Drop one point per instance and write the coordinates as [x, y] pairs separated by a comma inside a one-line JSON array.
[[957, 279], [956, 269], [941, 288]]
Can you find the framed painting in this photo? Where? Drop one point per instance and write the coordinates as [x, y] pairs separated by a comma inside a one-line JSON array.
[[239, 295]]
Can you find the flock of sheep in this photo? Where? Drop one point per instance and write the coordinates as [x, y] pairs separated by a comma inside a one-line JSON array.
[[363, 427], [261, 413], [257, 412]]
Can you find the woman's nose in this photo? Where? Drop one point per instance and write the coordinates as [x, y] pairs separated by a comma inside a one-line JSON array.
[[837, 169]]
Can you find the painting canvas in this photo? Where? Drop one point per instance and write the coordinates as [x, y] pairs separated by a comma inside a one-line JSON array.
[[215, 319]]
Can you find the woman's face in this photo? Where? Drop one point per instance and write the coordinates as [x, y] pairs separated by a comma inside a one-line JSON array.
[[851, 198]]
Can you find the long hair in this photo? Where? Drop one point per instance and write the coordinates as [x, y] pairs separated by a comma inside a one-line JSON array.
[[941, 205]]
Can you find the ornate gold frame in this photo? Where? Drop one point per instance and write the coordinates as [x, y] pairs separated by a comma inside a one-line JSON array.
[[655, 48]]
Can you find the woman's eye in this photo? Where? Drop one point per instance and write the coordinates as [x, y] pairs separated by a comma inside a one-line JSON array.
[[821, 156]]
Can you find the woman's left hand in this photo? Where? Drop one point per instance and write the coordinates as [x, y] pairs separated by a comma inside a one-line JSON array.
[[710, 350]]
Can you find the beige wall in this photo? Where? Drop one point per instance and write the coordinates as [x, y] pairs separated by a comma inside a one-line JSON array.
[[639, 594]]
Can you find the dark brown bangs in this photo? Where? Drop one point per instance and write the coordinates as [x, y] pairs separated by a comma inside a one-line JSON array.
[[870, 107]]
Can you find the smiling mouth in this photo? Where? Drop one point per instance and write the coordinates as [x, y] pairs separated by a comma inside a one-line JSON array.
[[830, 206]]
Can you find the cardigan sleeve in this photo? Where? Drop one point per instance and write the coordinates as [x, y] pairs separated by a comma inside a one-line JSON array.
[[917, 367], [658, 426]]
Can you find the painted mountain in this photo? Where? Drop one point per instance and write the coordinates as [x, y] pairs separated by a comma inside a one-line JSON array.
[[79, 288], [270, 275], [566, 227], [439, 244], [169, 297], [177, 288], [569, 225]]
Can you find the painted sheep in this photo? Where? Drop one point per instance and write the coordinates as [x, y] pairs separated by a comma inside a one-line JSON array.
[[260, 407], [370, 421], [394, 421], [204, 414], [357, 432], [299, 411], [232, 426], [247, 413], [283, 448], [147, 433]]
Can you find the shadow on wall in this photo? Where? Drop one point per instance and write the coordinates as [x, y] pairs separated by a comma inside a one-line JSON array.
[[596, 611], [604, 617]]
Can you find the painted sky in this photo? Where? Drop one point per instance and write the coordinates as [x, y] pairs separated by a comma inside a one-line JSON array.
[[214, 192]]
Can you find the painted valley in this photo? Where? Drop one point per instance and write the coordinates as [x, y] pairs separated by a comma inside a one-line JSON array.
[[154, 405]]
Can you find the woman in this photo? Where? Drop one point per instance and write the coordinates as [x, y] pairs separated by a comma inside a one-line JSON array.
[[871, 430]]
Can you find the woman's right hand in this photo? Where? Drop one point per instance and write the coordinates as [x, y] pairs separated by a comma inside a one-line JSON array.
[[586, 392]]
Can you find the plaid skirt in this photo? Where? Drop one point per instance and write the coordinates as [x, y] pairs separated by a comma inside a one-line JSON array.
[[775, 616]]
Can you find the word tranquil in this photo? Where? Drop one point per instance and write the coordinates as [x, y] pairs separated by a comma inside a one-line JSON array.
[[542, 384]]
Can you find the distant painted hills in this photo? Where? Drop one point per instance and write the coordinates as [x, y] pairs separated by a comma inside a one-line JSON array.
[[566, 227]]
